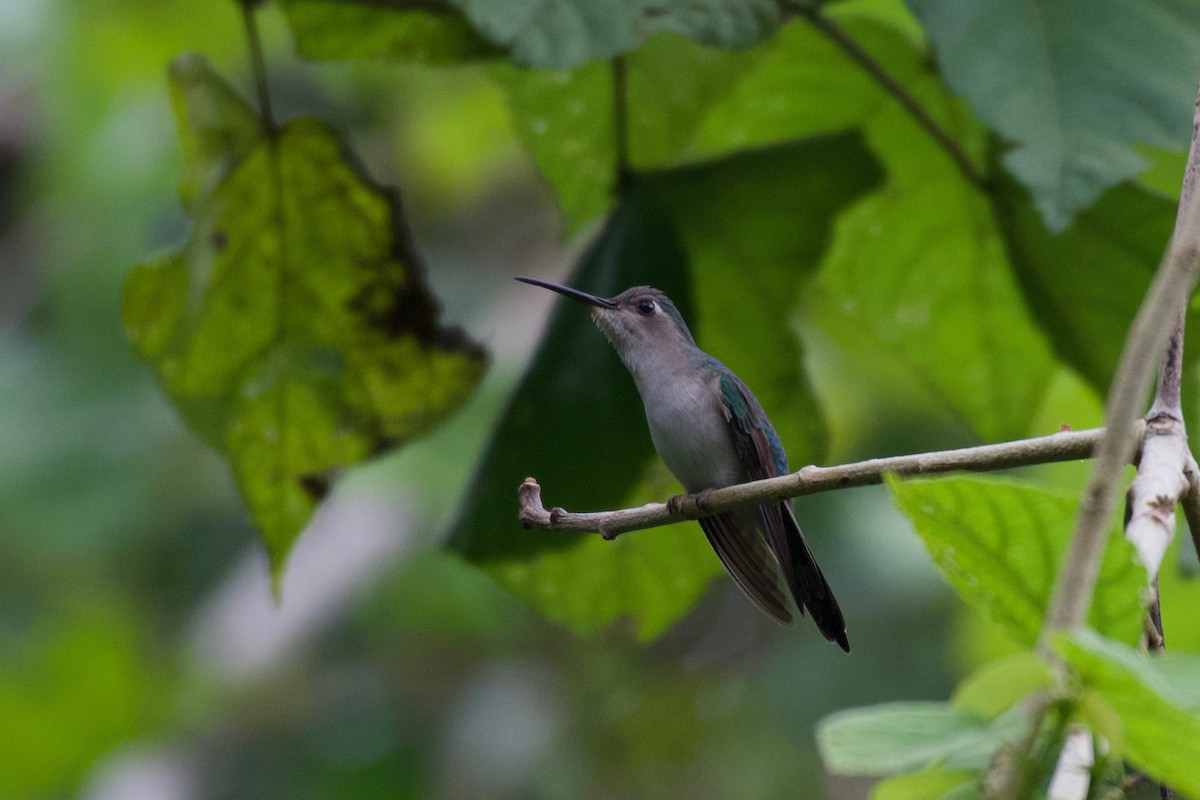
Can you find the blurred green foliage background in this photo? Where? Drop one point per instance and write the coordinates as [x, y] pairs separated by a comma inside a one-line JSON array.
[[141, 655]]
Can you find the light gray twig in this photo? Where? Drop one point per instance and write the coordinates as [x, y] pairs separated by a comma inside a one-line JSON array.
[[1162, 479], [1062, 446]]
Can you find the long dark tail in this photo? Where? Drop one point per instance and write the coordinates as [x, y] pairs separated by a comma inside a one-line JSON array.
[[744, 554], [804, 578]]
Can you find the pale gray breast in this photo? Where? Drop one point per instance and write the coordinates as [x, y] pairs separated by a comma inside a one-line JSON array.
[[689, 431]]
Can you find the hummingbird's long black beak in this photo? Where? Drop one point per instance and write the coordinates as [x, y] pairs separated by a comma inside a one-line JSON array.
[[574, 294]]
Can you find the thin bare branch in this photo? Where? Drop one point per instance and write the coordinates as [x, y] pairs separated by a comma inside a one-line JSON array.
[[1062, 446]]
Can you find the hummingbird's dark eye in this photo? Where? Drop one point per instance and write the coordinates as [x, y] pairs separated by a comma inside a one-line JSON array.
[[646, 307]]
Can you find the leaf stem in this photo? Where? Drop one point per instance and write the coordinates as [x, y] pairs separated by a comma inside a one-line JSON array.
[[258, 66], [873, 67]]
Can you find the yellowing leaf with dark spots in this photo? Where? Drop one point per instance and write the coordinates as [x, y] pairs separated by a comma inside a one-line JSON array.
[[293, 328]]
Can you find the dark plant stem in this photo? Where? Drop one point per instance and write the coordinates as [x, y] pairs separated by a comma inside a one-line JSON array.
[[258, 66], [1096, 773], [872, 66], [1127, 785]]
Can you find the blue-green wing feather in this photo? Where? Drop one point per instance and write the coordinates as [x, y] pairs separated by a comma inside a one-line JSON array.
[[762, 456]]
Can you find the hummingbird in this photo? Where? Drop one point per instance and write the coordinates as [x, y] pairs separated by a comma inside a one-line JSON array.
[[710, 431]]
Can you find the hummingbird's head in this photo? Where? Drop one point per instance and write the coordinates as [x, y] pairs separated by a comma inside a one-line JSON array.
[[637, 319]]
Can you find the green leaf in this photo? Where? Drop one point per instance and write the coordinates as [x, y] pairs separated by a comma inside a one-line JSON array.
[[293, 329], [337, 29], [565, 120], [673, 85], [755, 226], [999, 685], [1072, 85], [1181, 671], [917, 287], [1160, 737], [929, 784], [576, 424], [687, 102], [217, 129], [1084, 284], [1101, 718], [903, 737], [1001, 545], [796, 85], [560, 34]]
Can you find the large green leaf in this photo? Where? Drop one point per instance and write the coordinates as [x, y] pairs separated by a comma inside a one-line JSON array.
[[565, 120], [916, 285], [559, 34], [293, 328], [576, 424], [673, 84], [796, 85], [1001, 545], [1073, 84], [903, 737], [1181, 671], [687, 102], [341, 29], [1159, 736], [1085, 284]]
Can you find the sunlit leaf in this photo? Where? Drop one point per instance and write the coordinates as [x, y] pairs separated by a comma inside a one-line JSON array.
[[1001, 545], [902, 737], [799, 84], [998, 686], [1181, 671], [293, 329], [1161, 737], [337, 29], [565, 120], [929, 784], [1073, 85], [673, 85]]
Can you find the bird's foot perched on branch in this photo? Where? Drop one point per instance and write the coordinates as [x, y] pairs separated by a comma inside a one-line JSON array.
[[680, 506]]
